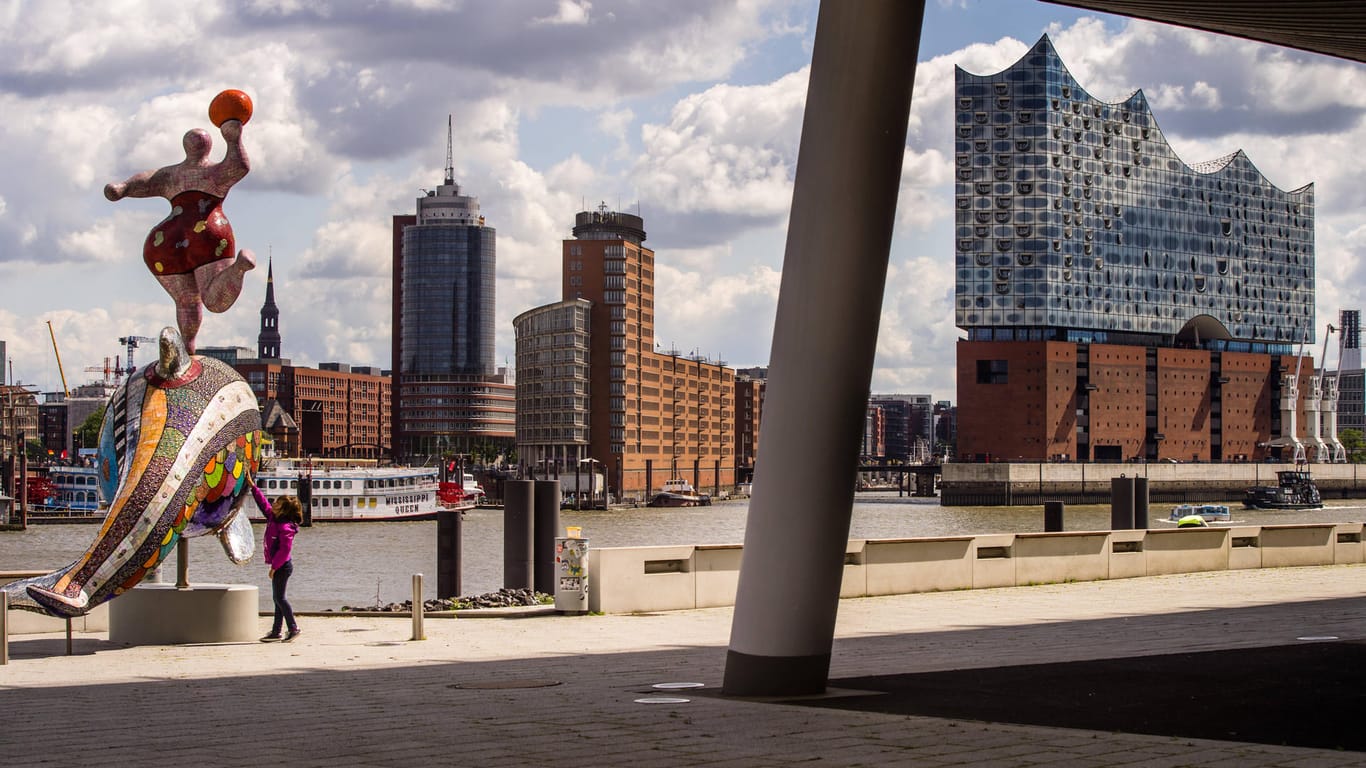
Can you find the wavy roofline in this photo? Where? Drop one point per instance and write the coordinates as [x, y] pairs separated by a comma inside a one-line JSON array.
[[1137, 100]]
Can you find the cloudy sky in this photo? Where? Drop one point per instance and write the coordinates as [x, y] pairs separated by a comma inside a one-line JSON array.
[[688, 112]]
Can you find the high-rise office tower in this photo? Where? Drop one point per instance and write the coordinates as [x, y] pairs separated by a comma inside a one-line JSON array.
[[449, 397], [649, 414], [1119, 303]]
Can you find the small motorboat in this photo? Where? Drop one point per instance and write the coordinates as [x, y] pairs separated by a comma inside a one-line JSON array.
[[1295, 489], [1209, 513], [679, 493]]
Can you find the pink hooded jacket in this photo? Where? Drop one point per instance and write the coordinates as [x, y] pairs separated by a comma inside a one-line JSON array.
[[279, 539]]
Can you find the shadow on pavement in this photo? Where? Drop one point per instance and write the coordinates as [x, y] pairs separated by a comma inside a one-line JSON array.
[[1305, 695]]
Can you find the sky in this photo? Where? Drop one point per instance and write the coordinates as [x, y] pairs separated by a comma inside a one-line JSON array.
[[686, 113]]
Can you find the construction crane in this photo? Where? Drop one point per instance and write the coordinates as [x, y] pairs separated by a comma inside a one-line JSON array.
[[131, 342], [65, 392], [107, 370]]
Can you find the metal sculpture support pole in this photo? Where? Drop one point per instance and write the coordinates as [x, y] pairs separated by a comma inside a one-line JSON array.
[[182, 564], [824, 341], [418, 608]]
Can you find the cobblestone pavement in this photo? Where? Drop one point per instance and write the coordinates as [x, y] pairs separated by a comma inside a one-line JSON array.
[[562, 690]]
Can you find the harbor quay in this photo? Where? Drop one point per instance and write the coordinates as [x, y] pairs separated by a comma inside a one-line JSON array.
[[1247, 668], [1029, 483]]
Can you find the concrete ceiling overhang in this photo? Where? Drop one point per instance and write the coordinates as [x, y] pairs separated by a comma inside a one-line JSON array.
[[1331, 27]]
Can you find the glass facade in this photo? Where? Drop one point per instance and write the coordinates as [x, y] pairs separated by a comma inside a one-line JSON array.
[[448, 299], [1075, 216], [451, 397]]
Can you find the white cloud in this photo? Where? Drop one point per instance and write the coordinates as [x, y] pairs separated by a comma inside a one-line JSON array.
[[351, 103], [568, 12]]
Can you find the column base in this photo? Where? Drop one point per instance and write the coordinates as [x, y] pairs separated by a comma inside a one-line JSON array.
[[750, 675]]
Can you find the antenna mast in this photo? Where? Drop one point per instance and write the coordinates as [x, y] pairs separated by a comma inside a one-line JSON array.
[[450, 156]]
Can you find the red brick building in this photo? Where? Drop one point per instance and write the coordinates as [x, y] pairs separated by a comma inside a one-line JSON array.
[[651, 414], [1050, 400]]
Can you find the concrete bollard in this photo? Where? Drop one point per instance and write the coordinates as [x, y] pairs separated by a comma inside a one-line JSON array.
[[545, 528], [448, 543], [1121, 503], [1052, 516], [4, 627], [418, 609], [1141, 510], [517, 545]]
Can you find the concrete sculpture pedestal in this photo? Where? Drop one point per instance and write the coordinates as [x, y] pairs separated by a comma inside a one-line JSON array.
[[161, 614]]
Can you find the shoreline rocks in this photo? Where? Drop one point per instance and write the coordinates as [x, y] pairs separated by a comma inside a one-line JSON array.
[[503, 598]]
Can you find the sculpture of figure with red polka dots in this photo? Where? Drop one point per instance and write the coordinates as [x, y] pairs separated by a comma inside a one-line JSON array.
[[192, 252]]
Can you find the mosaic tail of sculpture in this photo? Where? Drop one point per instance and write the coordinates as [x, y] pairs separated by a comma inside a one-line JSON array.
[[178, 448]]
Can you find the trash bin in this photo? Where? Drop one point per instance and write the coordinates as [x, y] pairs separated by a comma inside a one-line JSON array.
[[571, 575]]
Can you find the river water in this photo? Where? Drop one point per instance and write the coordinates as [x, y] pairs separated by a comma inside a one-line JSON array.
[[360, 564]]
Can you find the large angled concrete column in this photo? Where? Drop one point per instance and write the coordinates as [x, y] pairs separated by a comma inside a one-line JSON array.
[[824, 338]]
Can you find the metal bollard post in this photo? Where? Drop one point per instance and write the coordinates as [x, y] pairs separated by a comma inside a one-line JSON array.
[[1052, 516], [417, 608], [4, 627], [182, 564]]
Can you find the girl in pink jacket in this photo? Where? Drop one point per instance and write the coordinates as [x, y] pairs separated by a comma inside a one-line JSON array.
[[282, 522]]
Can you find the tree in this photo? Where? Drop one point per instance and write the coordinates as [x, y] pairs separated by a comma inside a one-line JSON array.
[[88, 433], [1355, 443]]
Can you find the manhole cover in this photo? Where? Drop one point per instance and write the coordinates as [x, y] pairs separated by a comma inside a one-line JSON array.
[[504, 685], [1317, 638], [676, 686], [662, 700]]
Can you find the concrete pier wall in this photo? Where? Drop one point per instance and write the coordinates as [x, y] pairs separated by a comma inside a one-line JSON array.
[[1007, 484], [644, 579]]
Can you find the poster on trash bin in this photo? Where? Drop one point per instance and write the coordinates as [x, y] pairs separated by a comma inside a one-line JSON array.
[[571, 570]]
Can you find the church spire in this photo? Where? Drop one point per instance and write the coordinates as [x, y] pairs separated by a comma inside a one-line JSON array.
[[268, 341]]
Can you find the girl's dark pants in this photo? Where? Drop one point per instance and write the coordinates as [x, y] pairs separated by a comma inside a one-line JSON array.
[[283, 611]]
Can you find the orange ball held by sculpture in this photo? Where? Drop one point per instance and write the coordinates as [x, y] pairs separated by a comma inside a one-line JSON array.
[[231, 104]]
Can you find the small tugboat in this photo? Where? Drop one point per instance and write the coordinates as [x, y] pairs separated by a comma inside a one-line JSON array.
[[1295, 490], [679, 493], [1208, 513]]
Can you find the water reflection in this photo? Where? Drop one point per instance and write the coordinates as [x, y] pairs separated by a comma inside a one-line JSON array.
[[358, 563]]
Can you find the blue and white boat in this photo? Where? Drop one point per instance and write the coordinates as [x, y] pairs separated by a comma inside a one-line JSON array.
[[1210, 513]]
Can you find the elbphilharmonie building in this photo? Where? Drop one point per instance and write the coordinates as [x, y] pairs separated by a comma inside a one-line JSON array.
[[1127, 304]]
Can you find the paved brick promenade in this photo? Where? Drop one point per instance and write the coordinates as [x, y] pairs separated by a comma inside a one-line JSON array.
[[356, 692]]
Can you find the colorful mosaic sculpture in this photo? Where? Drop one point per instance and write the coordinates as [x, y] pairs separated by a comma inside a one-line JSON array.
[[191, 252], [178, 451]]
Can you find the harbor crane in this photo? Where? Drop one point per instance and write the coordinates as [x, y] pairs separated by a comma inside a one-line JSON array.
[[132, 342], [1335, 452]]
